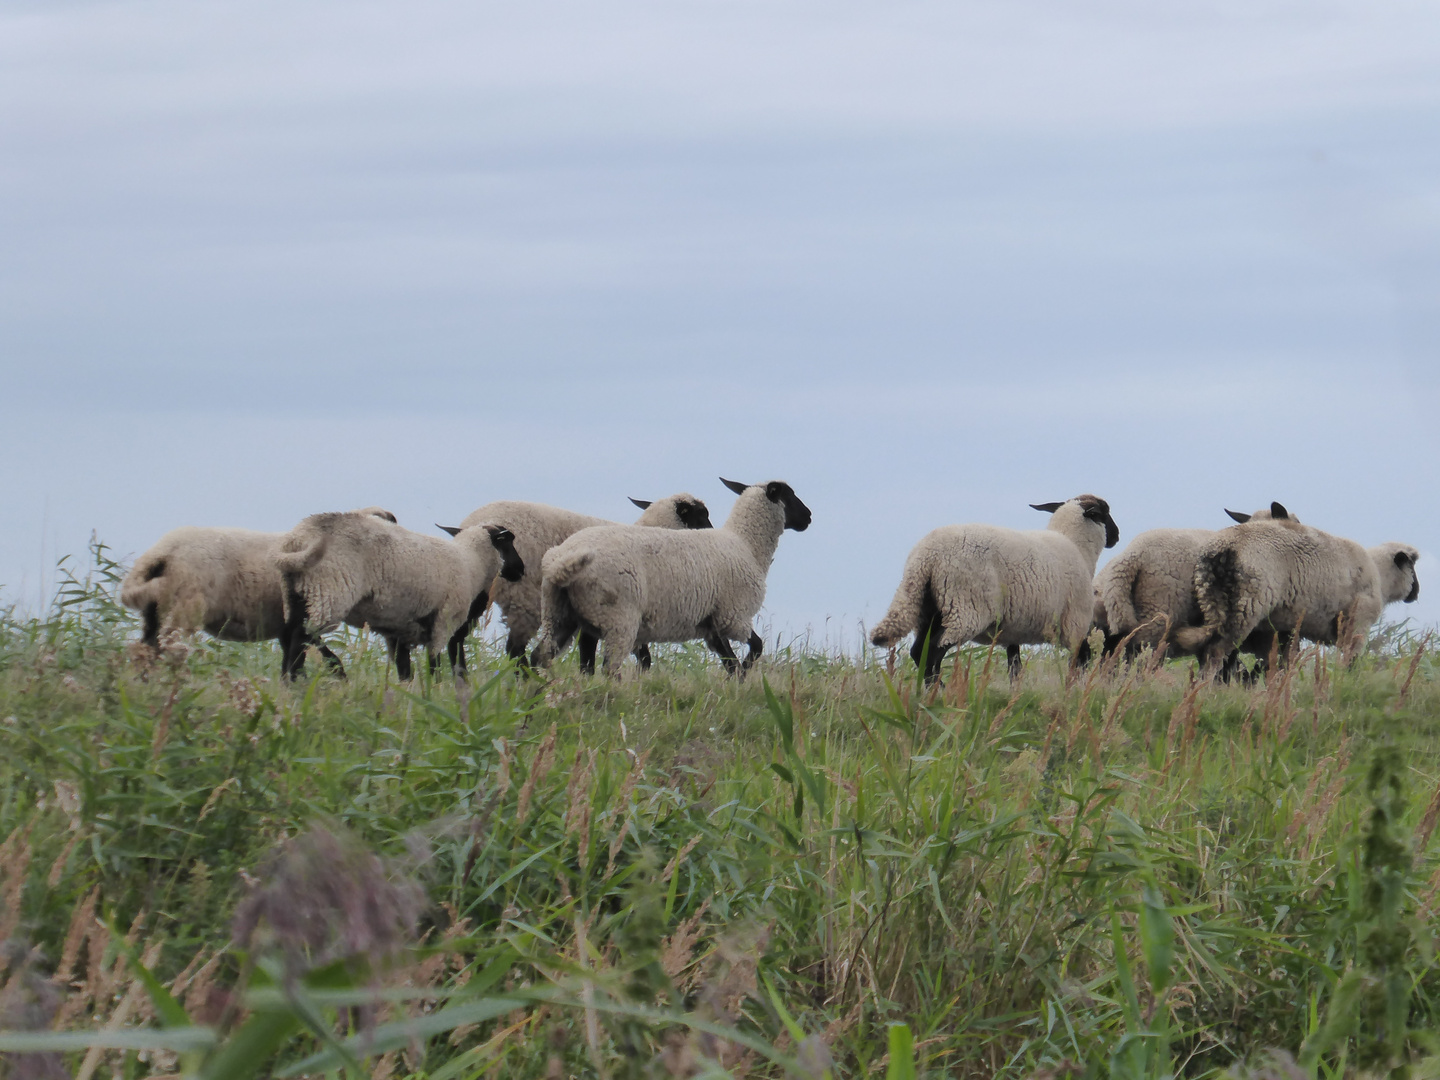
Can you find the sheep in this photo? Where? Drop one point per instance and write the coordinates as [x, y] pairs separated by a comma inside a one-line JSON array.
[[989, 584], [224, 581], [1146, 593], [631, 585], [1259, 583], [410, 588], [538, 528]]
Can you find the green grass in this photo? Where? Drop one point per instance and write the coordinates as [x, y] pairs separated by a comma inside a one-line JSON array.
[[1130, 875]]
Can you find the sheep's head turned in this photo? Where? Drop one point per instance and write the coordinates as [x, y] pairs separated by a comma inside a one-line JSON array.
[[797, 514], [1093, 508], [693, 514], [512, 567], [1405, 560], [1098, 510]]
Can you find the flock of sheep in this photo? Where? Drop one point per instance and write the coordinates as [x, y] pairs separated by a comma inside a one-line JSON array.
[[672, 577]]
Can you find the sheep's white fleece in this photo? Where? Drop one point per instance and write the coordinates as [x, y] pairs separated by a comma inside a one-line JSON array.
[[538, 528], [631, 585], [220, 580], [1276, 577], [1007, 586], [1149, 588], [410, 588]]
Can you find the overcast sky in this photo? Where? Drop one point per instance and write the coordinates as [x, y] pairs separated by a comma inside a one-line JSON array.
[[929, 262]]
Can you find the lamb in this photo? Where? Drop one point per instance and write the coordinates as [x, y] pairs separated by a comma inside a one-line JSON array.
[[538, 528], [224, 581], [1147, 593], [631, 585], [1258, 583], [989, 584], [410, 588]]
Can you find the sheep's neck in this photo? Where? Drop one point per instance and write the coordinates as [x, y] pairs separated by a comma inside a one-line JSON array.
[[753, 520], [1071, 525]]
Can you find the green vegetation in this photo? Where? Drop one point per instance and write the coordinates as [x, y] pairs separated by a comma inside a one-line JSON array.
[[1133, 876]]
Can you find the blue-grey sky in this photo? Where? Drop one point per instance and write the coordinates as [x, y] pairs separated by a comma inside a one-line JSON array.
[[929, 262]]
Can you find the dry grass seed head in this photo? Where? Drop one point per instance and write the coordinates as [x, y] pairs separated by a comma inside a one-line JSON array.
[[324, 896], [539, 769]]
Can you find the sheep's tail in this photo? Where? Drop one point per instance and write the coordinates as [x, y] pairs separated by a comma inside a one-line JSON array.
[[905, 609], [1217, 580], [142, 585], [299, 560], [566, 567], [1117, 593]]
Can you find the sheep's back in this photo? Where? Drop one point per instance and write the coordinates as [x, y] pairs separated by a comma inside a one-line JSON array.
[[677, 579], [223, 580], [1026, 580]]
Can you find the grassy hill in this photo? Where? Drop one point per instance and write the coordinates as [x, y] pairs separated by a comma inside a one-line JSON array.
[[1136, 874]]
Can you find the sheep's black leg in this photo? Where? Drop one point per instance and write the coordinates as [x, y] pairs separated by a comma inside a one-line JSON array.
[[1230, 668], [151, 636], [401, 655], [722, 648], [293, 639], [642, 656], [330, 658], [1112, 642], [588, 644], [515, 648], [1283, 642], [1082, 655], [1012, 661], [757, 646], [929, 632], [455, 648]]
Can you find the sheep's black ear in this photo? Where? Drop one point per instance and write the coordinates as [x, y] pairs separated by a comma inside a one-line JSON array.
[[1046, 508], [734, 485], [1238, 516], [451, 529], [644, 504], [1278, 512]]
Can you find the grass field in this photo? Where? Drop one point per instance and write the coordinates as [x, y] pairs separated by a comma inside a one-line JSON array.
[[677, 875]]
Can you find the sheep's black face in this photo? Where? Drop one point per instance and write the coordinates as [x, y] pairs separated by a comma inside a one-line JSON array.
[[512, 567], [1404, 560], [1098, 511], [693, 514], [797, 514]]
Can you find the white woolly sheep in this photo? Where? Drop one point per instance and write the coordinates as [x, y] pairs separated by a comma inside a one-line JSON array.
[[220, 580], [410, 588], [1259, 583], [631, 585], [538, 528], [1147, 592], [1010, 587]]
